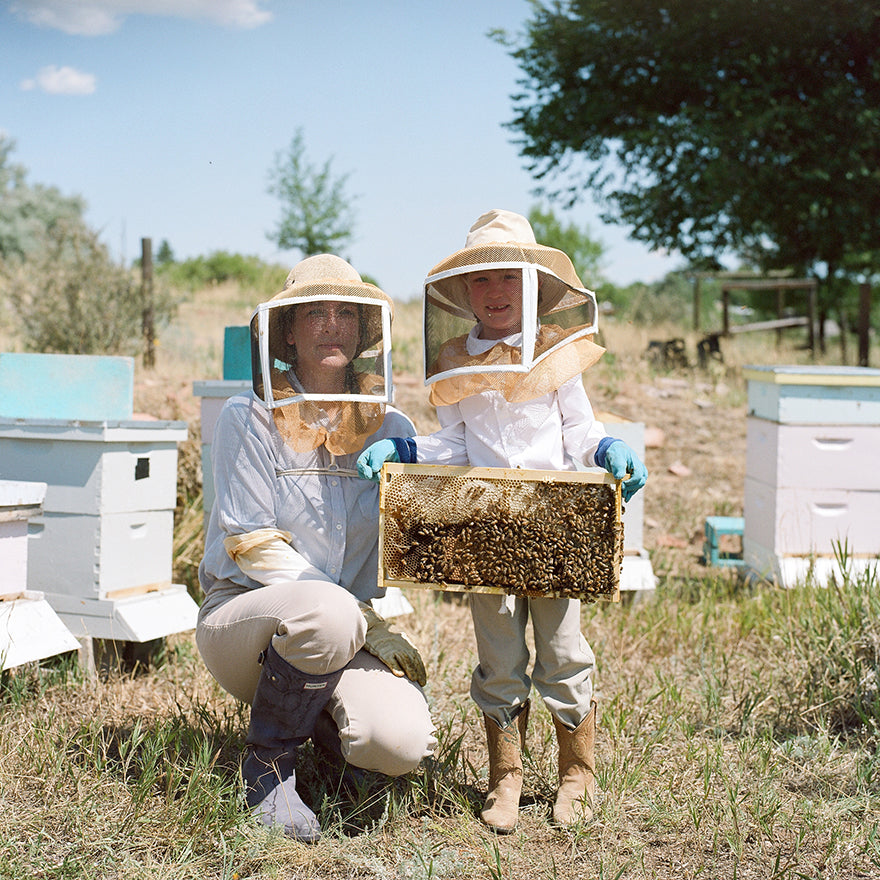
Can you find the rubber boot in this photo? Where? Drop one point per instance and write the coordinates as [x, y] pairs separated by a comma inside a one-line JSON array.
[[577, 771], [283, 714], [501, 810], [354, 780]]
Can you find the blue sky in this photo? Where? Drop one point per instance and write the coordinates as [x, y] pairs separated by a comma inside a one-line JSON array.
[[166, 116]]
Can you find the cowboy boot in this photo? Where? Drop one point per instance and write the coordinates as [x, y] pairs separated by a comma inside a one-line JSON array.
[[286, 705], [577, 771], [501, 810]]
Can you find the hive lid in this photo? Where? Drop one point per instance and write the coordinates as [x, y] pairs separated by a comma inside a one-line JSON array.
[[30, 630], [21, 493], [813, 375], [128, 431]]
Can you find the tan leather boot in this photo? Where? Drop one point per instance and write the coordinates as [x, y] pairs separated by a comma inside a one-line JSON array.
[[501, 809], [577, 771]]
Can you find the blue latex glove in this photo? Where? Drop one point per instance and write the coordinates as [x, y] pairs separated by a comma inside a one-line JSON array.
[[370, 461], [621, 460]]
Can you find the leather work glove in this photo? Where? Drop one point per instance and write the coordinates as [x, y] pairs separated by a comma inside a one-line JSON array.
[[370, 461], [621, 460], [395, 650]]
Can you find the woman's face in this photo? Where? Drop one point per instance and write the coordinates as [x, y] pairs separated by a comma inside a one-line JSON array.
[[325, 334], [496, 301]]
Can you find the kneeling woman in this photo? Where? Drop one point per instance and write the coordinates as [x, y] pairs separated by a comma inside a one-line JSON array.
[[290, 565]]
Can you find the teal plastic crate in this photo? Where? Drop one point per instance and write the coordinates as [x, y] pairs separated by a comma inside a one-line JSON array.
[[716, 526]]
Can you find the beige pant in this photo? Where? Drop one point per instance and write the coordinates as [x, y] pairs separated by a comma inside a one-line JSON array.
[[384, 723], [564, 662]]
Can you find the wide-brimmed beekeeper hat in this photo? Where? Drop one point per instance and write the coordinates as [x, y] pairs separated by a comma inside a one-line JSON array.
[[327, 277], [507, 239]]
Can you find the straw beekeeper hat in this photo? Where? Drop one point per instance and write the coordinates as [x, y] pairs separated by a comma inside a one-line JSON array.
[[328, 277], [500, 236]]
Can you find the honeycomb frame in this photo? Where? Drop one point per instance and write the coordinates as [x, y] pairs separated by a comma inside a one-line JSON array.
[[535, 533]]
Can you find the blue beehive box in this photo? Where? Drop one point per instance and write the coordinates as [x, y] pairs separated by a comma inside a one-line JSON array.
[[237, 353], [814, 395], [86, 388]]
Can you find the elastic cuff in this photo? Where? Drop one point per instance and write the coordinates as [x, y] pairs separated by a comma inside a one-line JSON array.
[[406, 449], [601, 449]]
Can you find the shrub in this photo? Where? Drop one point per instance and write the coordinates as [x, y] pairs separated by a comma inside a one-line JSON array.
[[220, 266], [69, 297]]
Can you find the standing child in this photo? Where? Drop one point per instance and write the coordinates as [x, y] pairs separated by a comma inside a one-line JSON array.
[[509, 394]]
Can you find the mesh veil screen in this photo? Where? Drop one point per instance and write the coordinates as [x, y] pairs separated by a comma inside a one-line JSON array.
[[493, 530]]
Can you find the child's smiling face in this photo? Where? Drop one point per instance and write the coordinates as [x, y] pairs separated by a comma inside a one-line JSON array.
[[496, 301]]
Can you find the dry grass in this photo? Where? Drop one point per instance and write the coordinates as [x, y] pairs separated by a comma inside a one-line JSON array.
[[738, 725]]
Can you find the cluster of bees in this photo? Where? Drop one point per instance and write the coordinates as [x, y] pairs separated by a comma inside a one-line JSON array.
[[534, 539]]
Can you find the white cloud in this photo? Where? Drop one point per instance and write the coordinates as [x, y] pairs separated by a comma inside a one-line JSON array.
[[95, 17], [61, 81]]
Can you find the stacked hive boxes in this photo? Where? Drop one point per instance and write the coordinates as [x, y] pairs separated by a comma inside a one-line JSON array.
[[101, 551], [812, 483], [29, 628]]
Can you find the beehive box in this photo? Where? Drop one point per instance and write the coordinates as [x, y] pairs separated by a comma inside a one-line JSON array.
[[85, 387], [542, 534], [834, 456], [95, 467], [213, 394], [814, 395], [29, 628]]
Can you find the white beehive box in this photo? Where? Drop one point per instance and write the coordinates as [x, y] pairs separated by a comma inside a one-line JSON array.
[[95, 467], [101, 551], [212, 394], [29, 628], [798, 521], [812, 484], [105, 535], [832, 456], [636, 571]]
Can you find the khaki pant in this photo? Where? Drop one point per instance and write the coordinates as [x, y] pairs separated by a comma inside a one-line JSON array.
[[564, 662], [384, 723]]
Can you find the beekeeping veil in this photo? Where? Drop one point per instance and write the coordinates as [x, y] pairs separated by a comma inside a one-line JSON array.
[[340, 421], [558, 321]]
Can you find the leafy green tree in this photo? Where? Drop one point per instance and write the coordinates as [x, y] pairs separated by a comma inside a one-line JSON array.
[[585, 252], [316, 211], [750, 126], [165, 254]]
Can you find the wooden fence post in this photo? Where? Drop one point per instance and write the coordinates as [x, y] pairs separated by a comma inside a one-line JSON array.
[[149, 325], [864, 322]]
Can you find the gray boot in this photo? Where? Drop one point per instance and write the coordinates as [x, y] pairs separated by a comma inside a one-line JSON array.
[[283, 714]]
